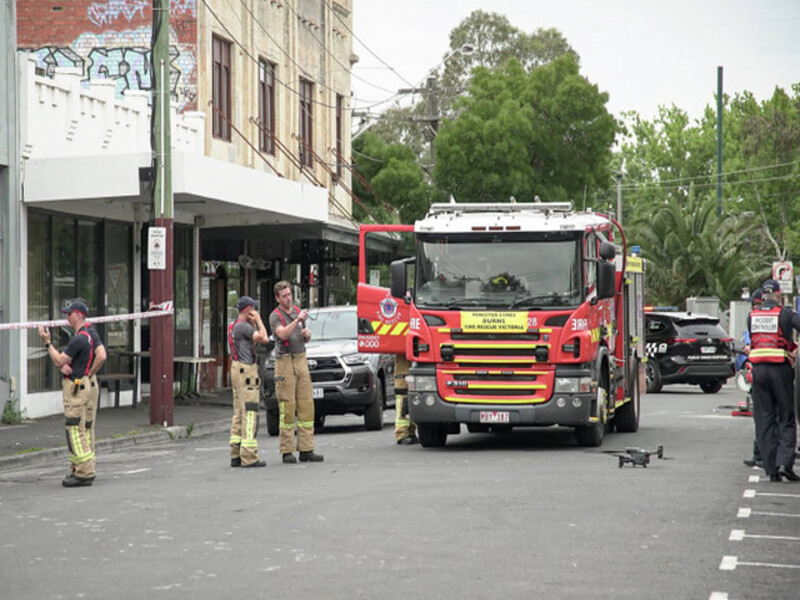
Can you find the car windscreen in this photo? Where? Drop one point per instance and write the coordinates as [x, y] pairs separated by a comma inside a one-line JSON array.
[[326, 326], [501, 272]]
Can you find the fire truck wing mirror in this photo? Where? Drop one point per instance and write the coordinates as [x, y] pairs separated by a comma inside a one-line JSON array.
[[606, 280], [607, 251], [397, 278]]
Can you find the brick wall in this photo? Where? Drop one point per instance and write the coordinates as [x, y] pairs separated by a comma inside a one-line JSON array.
[[110, 39]]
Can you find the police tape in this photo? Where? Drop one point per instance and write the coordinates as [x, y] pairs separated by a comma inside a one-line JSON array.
[[156, 310]]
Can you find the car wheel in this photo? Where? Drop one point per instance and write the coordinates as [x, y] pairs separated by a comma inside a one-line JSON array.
[[432, 435], [272, 422], [652, 376], [711, 387], [373, 414], [627, 417]]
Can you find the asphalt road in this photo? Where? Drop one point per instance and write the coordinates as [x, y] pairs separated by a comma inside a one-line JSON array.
[[520, 515]]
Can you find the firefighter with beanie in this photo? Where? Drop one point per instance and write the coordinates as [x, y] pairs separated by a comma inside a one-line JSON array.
[[772, 353], [74, 363], [292, 378], [248, 329]]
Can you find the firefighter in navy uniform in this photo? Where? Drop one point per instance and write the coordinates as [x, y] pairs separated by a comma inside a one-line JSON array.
[[248, 329], [772, 353], [74, 363], [404, 427]]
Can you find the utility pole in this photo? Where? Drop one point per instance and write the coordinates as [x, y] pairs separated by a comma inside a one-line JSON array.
[[719, 141], [160, 255]]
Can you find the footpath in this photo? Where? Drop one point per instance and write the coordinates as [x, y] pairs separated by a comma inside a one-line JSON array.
[[43, 440]]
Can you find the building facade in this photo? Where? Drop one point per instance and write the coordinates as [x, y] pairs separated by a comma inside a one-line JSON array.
[[260, 127]]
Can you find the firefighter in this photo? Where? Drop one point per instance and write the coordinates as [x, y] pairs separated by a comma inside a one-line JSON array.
[[74, 363], [772, 353], [404, 428], [292, 378], [248, 329], [94, 387]]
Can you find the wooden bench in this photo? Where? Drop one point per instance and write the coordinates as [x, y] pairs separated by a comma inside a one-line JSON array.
[[117, 379]]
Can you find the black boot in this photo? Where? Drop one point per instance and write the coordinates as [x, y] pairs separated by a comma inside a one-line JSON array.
[[289, 459], [309, 456]]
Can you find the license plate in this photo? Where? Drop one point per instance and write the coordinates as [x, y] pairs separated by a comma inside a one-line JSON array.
[[708, 350], [494, 416], [318, 393]]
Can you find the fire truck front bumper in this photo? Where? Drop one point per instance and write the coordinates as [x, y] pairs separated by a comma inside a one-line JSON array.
[[565, 406]]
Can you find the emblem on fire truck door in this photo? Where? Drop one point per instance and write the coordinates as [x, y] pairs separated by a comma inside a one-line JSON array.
[[389, 313]]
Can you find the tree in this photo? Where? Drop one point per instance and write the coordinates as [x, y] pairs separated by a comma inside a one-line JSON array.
[[397, 189], [522, 134], [691, 251], [495, 41]]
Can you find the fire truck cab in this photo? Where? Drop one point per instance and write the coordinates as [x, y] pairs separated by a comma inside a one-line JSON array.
[[512, 314]]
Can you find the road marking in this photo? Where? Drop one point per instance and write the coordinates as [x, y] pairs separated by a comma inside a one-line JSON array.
[[744, 513], [729, 563], [737, 535], [135, 471], [753, 479], [718, 596], [754, 493]]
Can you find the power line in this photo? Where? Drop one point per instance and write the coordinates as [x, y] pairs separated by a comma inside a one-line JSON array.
[[680, 180], [367, 48]]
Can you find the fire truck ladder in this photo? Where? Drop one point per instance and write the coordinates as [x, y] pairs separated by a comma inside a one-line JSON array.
[[508, 207]]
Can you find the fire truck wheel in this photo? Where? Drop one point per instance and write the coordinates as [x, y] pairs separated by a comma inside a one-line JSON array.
[[653, 376], [627, 417], [592, 435], [432, 435], [272, 422]]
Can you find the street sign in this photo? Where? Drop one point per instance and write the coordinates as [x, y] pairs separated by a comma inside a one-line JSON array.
[[783, 273], [157, 248]]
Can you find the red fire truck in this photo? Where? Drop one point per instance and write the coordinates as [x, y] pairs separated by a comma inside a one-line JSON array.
[[517, 314]]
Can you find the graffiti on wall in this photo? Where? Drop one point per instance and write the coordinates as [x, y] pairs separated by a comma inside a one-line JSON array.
[[124, 55], [105, 13]]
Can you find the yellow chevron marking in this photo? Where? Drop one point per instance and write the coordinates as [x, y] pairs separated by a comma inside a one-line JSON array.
[[399, 329]]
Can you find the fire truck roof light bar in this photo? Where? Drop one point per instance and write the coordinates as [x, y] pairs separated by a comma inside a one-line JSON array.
[[474, 207]]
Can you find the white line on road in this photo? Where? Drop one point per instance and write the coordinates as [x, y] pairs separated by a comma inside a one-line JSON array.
[[718, 596], [745, 513], [754, 493], [135, 471], [737, 535], [729, 563], [753, 479]]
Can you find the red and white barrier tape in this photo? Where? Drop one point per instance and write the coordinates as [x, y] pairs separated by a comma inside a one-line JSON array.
[[156, 310]]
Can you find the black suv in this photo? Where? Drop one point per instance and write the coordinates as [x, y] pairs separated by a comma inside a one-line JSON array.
[[683, 347]]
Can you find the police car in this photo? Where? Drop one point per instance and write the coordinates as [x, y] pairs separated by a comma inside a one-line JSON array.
[[689, 348]]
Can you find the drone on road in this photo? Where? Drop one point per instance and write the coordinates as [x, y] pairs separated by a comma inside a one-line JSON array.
[[638, 456]]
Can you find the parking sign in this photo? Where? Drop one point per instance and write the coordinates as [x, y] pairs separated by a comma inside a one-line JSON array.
[[782, 272]]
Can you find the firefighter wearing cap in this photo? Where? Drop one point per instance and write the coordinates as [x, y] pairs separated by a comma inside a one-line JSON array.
[[772, 353], [248, 329], [94, 387], [75, 362], [292, 378]]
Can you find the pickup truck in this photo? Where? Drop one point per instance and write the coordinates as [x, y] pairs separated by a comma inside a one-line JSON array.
[[344, 380]]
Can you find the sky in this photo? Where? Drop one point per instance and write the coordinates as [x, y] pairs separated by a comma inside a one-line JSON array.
[[644, 53]]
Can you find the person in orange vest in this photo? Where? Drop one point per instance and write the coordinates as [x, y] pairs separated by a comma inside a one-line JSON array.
[[246, 331], [772, 353], [292, 378], [74, 363]]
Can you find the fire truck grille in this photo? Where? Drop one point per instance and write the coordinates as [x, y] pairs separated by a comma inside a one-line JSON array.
[[504, 337], [511, 352]]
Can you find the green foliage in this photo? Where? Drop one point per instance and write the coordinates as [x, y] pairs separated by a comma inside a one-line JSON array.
[[399, 192], [11, 413], [522, 134], [690, 251]]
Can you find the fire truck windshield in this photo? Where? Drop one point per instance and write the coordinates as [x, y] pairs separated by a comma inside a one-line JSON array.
[[498, 273]]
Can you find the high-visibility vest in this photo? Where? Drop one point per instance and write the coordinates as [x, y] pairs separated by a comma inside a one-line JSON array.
[[234, 355], [283, 321], [767, 344]]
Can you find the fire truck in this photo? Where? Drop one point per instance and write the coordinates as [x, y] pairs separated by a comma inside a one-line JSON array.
[[511, 314]]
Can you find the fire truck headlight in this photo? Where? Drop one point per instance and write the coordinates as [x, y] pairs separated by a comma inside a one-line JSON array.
[[421, 383], [561, 402], [573, 385], [430, 400]]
